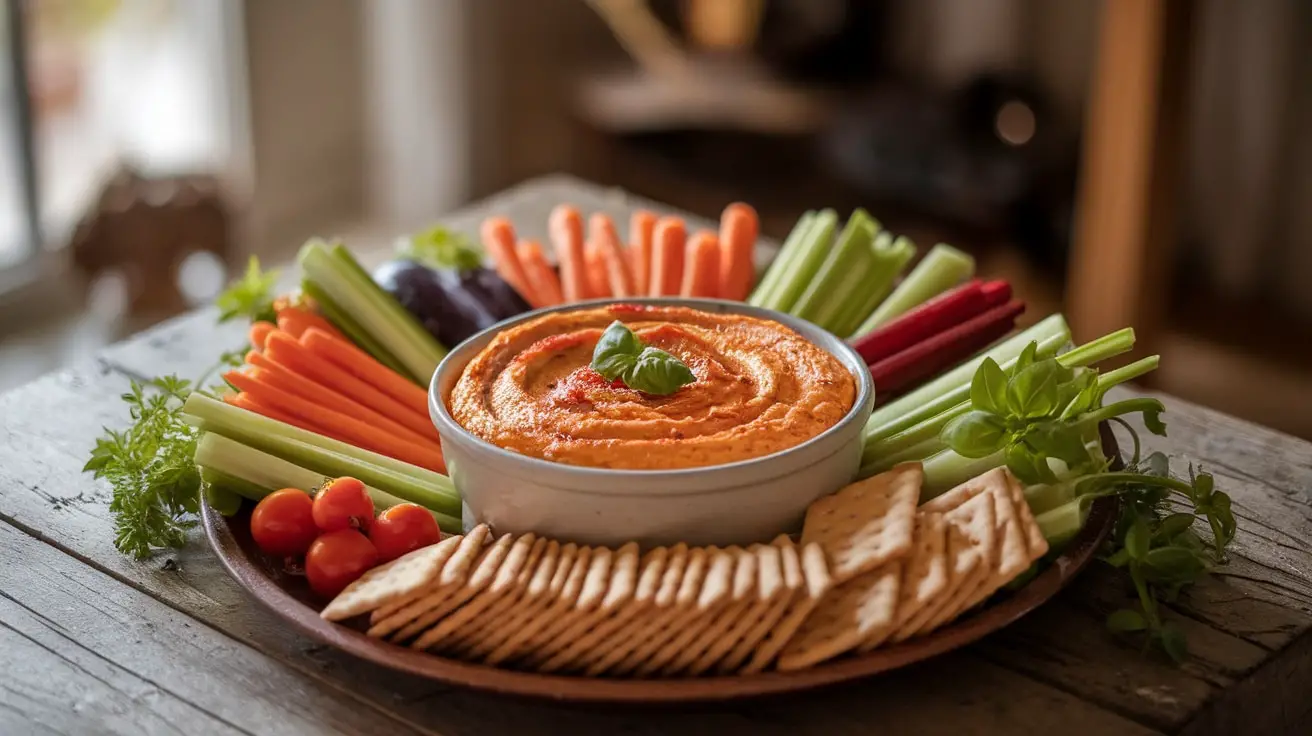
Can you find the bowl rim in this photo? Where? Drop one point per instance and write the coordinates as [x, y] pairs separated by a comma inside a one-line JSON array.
[[862, 403]]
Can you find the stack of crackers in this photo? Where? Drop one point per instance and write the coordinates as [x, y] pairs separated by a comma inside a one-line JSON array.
[[870, 568]]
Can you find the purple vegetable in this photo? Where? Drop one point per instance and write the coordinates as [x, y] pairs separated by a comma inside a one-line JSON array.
[[452, 305]]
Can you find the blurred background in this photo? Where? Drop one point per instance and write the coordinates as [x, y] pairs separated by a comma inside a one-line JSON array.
[[1144, 162]]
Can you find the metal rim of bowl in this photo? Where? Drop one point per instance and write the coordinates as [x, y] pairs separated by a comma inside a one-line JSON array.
[[741, 471]]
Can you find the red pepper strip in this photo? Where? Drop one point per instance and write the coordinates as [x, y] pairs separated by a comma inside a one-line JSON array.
[[928, 358], [996, 293], [934, 316]]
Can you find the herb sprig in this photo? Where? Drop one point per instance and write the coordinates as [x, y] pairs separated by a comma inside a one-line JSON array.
[[1044, 414], [620, 354], [250, 296], [441, 248]]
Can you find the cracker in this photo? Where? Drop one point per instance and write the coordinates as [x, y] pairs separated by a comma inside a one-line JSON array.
[[624, 640], [547, 582], [552, 608], [429, 609], [501, 584], [714, 593], [616, 616], [462, 640], [977, 524], [454, 571], [1012, 553], [742, 594], [769, 589], [861, 609], [1034, 539], [683, 608], [925, 576], [790, 586], [867, 524], [395, 580], [816, 582], [961, 560], [617, 587]]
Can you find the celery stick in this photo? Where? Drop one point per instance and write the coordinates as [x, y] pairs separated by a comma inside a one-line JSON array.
[[783, 262], [1129, 372], [1096, 351], [891, 256], [352, 329], [811, 253], [942, 268], [851, 253], [1048, 496], [1061, 524], [221, 497], [850, 283], [322, 454], [946, 470], [406, 322], [245, 489], [231, 458]]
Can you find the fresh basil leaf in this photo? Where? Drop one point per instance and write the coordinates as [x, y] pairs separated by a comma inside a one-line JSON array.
[[1172, 526], [988, 389], [1136, 539], [1172, 565], [1173, 642], [1025, 465], [616, 352], [1026, 358], [1125, 621], [1080, 394], [1036, 391], [975, 434], [657, 372], [1059, 440]]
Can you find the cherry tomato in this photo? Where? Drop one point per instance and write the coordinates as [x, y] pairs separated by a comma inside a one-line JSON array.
[[337, 559], [282, 523], [403, 528], [343, 504]]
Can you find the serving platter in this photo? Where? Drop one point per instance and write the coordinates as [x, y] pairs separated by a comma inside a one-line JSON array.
[[290, 598]]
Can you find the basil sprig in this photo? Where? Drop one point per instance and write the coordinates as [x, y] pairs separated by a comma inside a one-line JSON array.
[[620, 354], [1045, 411]]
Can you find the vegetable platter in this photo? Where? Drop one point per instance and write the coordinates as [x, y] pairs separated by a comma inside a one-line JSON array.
[[982, 478]]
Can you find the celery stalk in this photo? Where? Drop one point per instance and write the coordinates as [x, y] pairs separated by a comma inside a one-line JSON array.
[[891, 257], [811, 254], [946, 470], [255, 468], [322, 454], [218, 479], [851, 255], [783, 262], [852, 283], [942, 268], [1061, 524], [1045, 497], [352, 329]]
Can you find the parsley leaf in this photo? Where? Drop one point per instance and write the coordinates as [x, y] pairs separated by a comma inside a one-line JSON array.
[[250, 296], [441, 248]]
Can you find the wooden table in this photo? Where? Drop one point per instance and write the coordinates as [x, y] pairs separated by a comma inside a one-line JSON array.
[[94, 642]]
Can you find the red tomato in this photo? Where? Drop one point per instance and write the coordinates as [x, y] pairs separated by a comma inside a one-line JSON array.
[[343, 504], [403, 528], [337, 559], [282, 523]]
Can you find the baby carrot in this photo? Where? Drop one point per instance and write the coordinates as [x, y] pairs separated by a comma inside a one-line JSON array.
[[598, 277], [355, 432], [362, 365], [541, 278], [642, 226], [702, 272], [296, 321], [601, 230], [499, 241], [245, 401], [668, 243], [566, 229], [260, 332], [739, 227]]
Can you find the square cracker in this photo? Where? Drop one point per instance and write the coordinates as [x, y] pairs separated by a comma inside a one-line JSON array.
[[714, 593], [547, 582], [790, 586], [866, 524], [617, 590], [816, 583], [462, 639], [501, 585], [551, 608], [620, 643], [429, 609], [616, 616], [925, 574], [861, 609], [742, 594], [683, 608], [769, 590], [591, 593], [975, 522], [453, 572], [392, 581], [962, 560]]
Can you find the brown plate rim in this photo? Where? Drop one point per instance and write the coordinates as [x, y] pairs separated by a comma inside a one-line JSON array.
[[305, 619]]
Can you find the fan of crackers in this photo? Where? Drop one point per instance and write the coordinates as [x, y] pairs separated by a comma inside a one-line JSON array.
[[872, 568]]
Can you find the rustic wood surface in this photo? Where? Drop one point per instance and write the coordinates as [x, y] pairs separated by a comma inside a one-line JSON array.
[[94, 642]]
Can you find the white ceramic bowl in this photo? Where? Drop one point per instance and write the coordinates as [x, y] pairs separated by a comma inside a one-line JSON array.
[[736, 503]]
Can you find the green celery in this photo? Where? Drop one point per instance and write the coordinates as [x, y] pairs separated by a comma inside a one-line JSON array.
[[782, 264], [322, 454], [1045, 497], [352, 329], [232, 458], [942, 268], [891, 257], [851, 255], [1061, 524], [404, 320], [811, 254], [946, 470], [245, 489]]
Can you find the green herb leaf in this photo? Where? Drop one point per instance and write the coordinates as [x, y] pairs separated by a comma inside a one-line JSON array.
[[1172, 526], [441, 248], [1024, 464], [1173, 642], [1060, 440], [988, 389], [620, 354], [617, 351], [251, 296], [1126, 620], [1173, 565], [1137, 538], [1036, 391], [975, 434], [1026, 357]]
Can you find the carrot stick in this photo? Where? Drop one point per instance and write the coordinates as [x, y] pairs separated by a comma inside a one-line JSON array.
[[701, 275], [363, 366], [739, 227], [601, 230], [598, 276], [642, 226], [499, 240], [356, 432], [668, 242], [295, 357], [247, 402], [566, 229], [541, 278], [260, 332], [301, 319]]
